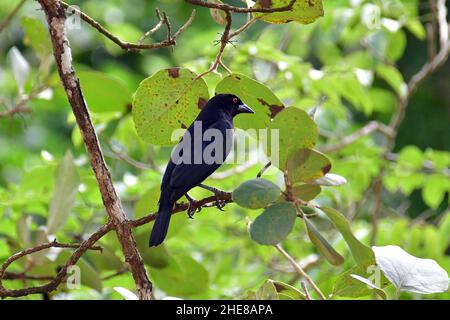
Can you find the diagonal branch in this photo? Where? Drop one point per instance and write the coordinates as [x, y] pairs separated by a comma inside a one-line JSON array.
[[56, 18], [52, 285]]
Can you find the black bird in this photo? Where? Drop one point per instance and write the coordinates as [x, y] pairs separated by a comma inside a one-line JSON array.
[[186, 171]]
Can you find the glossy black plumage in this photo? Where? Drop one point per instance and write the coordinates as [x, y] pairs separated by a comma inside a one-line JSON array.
[[180, 177]]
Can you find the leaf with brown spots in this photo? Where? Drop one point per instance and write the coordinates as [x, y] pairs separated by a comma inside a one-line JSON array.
[[166, 101], [256, 95], [296, 130], [303, 11], [201, 103], [273, 108], [174, 72], [307, 165]]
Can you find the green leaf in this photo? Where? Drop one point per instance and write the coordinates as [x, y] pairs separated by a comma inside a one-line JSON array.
[[303, 11], [105, 259], [362, 254], [218, 16], [380, 292], [296, 131], [256, 193], [65, 191], [416, 28], [156, 257], [256, 95], [267, 291], [274, 224], [307, 165], [183, 277], [393, 77], [287, 292], [36, 36], [396, 45], [356, 282], [322, 244], [434, 190], [166, 101], [148, 203], [306, 192], [104, 93]]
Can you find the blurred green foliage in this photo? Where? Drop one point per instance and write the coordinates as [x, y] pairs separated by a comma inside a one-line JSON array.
[[358, 62]]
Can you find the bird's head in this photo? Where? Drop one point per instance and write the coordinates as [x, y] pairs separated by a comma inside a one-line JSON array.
[[229, 104]]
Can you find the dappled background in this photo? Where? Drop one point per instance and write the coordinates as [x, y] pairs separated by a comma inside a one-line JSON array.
[[350, 64]]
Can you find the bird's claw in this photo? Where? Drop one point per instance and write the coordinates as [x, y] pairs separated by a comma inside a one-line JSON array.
[[192, 208], [219, 204]]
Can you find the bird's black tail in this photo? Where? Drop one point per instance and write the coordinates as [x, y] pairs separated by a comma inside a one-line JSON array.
[[161, 225]]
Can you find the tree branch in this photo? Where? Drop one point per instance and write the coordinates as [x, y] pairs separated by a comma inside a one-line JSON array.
[[228, 8], [362, 132], [427, 69], [129, 46], [56, 17], [52, 285]]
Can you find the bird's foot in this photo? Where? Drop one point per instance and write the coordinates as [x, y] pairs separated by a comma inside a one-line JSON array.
[[219, 194], [192, 208], [219, 202]]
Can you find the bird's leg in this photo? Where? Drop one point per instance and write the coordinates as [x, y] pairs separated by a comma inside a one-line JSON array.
[[218, 193], [191, 209]]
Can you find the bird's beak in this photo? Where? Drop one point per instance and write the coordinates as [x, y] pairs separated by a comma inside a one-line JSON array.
[[243, 108]]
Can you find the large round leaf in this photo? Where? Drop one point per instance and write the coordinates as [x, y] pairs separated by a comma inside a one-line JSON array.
[[303, 11], [274, 224], [256, 95], [256, 193], [296, 130], [166, 101]]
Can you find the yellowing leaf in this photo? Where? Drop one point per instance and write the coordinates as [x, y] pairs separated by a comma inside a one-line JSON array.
[[303, 11], [166, 101]]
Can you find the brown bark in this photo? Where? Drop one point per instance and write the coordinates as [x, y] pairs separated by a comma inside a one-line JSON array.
[[56, 17]]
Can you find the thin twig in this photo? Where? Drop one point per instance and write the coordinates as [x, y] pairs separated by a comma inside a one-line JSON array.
[[305, 289], [369, 128], [130, 46], [154, 29], [300, 271]]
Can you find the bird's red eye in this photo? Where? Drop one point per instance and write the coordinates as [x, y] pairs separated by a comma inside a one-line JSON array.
[[235, 100]]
